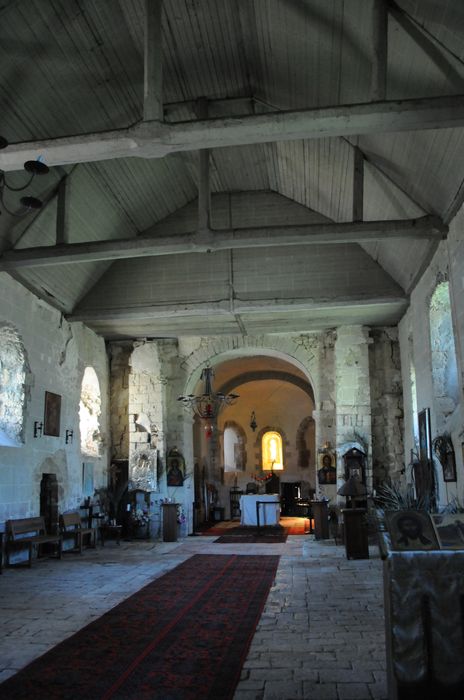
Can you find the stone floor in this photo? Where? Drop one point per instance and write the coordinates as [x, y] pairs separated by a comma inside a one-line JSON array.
[[321, 634]]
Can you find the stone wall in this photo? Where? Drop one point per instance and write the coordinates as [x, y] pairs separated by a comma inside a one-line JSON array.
[[447, 264], [58, 353]]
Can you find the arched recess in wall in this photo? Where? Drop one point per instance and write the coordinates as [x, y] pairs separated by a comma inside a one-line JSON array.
[[89, 414], [13, 371], [302, 441], [234, 451], [444, 364]]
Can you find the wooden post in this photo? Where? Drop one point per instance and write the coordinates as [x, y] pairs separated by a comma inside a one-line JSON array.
[[62, 206], [358, 185], [204, 194], [153, 62]]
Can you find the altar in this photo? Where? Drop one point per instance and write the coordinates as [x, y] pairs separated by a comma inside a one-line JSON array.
[[269, 509]]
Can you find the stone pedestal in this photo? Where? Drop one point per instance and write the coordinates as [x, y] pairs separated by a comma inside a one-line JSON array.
[[355, 529]]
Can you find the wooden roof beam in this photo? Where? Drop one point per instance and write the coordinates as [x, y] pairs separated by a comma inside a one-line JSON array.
[[220, 308], [154, 139], [427, 227]]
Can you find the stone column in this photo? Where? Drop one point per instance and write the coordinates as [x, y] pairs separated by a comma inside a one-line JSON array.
[[353, 396], [178, 426], [119, 399]]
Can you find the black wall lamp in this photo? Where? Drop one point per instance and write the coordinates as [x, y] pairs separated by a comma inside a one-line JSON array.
[[69, 436], [253, 423], [38, 428], [33, 167]]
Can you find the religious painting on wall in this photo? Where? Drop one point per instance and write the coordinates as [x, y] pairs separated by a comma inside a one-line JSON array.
[[175, 468], [449, 467], [327, 472], [52, 414], [444, 451]]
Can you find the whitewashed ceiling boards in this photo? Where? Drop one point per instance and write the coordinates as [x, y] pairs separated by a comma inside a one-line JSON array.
[[230, 166]]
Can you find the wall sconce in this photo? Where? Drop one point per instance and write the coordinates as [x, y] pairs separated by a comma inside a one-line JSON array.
[[253, 423], [69, 436], [38, 427], [28, 203]]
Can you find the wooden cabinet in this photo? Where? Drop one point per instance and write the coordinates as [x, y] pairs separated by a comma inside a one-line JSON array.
[[321, 519], [169, 522]]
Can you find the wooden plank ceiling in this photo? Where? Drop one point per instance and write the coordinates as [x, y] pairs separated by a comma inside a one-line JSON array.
[[312, 113]]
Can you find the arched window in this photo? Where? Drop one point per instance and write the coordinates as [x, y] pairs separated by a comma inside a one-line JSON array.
[[89, 414], [13, 366], [271, 448], [444, 365]]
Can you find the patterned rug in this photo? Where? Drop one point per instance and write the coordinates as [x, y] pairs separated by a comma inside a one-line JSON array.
[[184, 636]]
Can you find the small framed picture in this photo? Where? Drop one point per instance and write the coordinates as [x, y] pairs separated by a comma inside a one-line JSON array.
[[411, 530], [449, 467], [425, 441], [52, 414]]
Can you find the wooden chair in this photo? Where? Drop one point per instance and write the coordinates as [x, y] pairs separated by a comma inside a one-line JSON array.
[[71, 526]]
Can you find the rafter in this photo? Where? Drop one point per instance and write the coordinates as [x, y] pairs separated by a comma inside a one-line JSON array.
[[427, 227], [427, 44], [379, 49], [153, 61], [156, 140]]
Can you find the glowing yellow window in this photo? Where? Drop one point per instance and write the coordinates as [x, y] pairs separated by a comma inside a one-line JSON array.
[[272, 451]]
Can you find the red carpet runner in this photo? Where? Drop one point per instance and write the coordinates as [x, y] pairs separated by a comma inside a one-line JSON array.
[[184, 636]]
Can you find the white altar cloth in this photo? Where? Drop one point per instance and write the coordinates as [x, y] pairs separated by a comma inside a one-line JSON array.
[[268, 514]]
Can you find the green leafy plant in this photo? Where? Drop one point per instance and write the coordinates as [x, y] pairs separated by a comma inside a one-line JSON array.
[[395, 496]]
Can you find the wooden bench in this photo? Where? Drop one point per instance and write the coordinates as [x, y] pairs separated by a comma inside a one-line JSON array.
[[71, 526], [29, 533]]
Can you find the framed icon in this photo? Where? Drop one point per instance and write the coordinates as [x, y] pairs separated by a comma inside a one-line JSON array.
[[52, 414]]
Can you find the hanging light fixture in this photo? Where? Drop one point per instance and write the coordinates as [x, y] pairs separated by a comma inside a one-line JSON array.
[[208, 405], [33, 167], [253, 423]]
